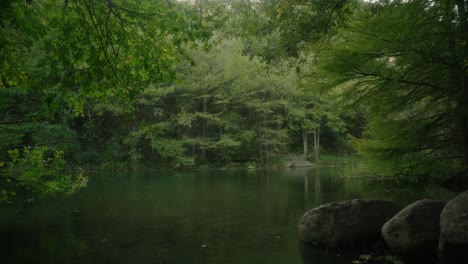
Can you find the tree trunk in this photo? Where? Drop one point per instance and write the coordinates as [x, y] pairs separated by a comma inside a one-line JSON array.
[[463, 138], [260, 147], [462, 9], [304, 139], [459, 79], [204, 133]]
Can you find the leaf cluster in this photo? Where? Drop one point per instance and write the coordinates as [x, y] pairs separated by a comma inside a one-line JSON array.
[[38, 172]]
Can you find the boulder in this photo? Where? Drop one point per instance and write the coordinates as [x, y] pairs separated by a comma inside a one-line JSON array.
[[351, 224], [453, 241], [415, 230]]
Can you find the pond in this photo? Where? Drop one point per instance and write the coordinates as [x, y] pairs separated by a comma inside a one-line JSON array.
[[225, 216]]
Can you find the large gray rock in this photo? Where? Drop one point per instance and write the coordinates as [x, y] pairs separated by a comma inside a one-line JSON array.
[[415, 230], [349, 224], [453, 242]]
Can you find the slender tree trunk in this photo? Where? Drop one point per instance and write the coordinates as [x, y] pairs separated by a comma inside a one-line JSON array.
[[260, 147], [462, 8], [460, 80], [315, 142], [463, 138], [304, 139], [462, 120], [204, 133], [318, 142]]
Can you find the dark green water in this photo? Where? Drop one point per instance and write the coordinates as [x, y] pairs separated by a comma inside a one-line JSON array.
[[235, 216]]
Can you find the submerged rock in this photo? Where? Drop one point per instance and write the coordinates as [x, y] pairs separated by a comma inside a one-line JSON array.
[[415, 230], [453, 242], [351, 224]]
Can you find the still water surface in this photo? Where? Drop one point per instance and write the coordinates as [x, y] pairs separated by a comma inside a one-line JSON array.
[[234, 216]]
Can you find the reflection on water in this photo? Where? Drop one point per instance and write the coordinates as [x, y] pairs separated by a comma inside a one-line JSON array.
[[231, 216]]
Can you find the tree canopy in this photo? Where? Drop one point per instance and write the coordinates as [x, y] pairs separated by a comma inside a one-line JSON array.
[[404, 61], [177, 84], [58, 57]]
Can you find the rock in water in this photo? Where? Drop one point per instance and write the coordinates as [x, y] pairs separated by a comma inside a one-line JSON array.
[[347, 225], [415, 230], [453, 242]]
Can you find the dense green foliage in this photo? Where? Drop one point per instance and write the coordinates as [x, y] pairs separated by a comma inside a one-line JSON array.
[[406, 62], [225, 108], [60, 60], [402, 62], [174, 84], [37, 172]]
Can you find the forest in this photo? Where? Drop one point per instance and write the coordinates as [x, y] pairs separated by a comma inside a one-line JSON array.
[[115, 84]]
